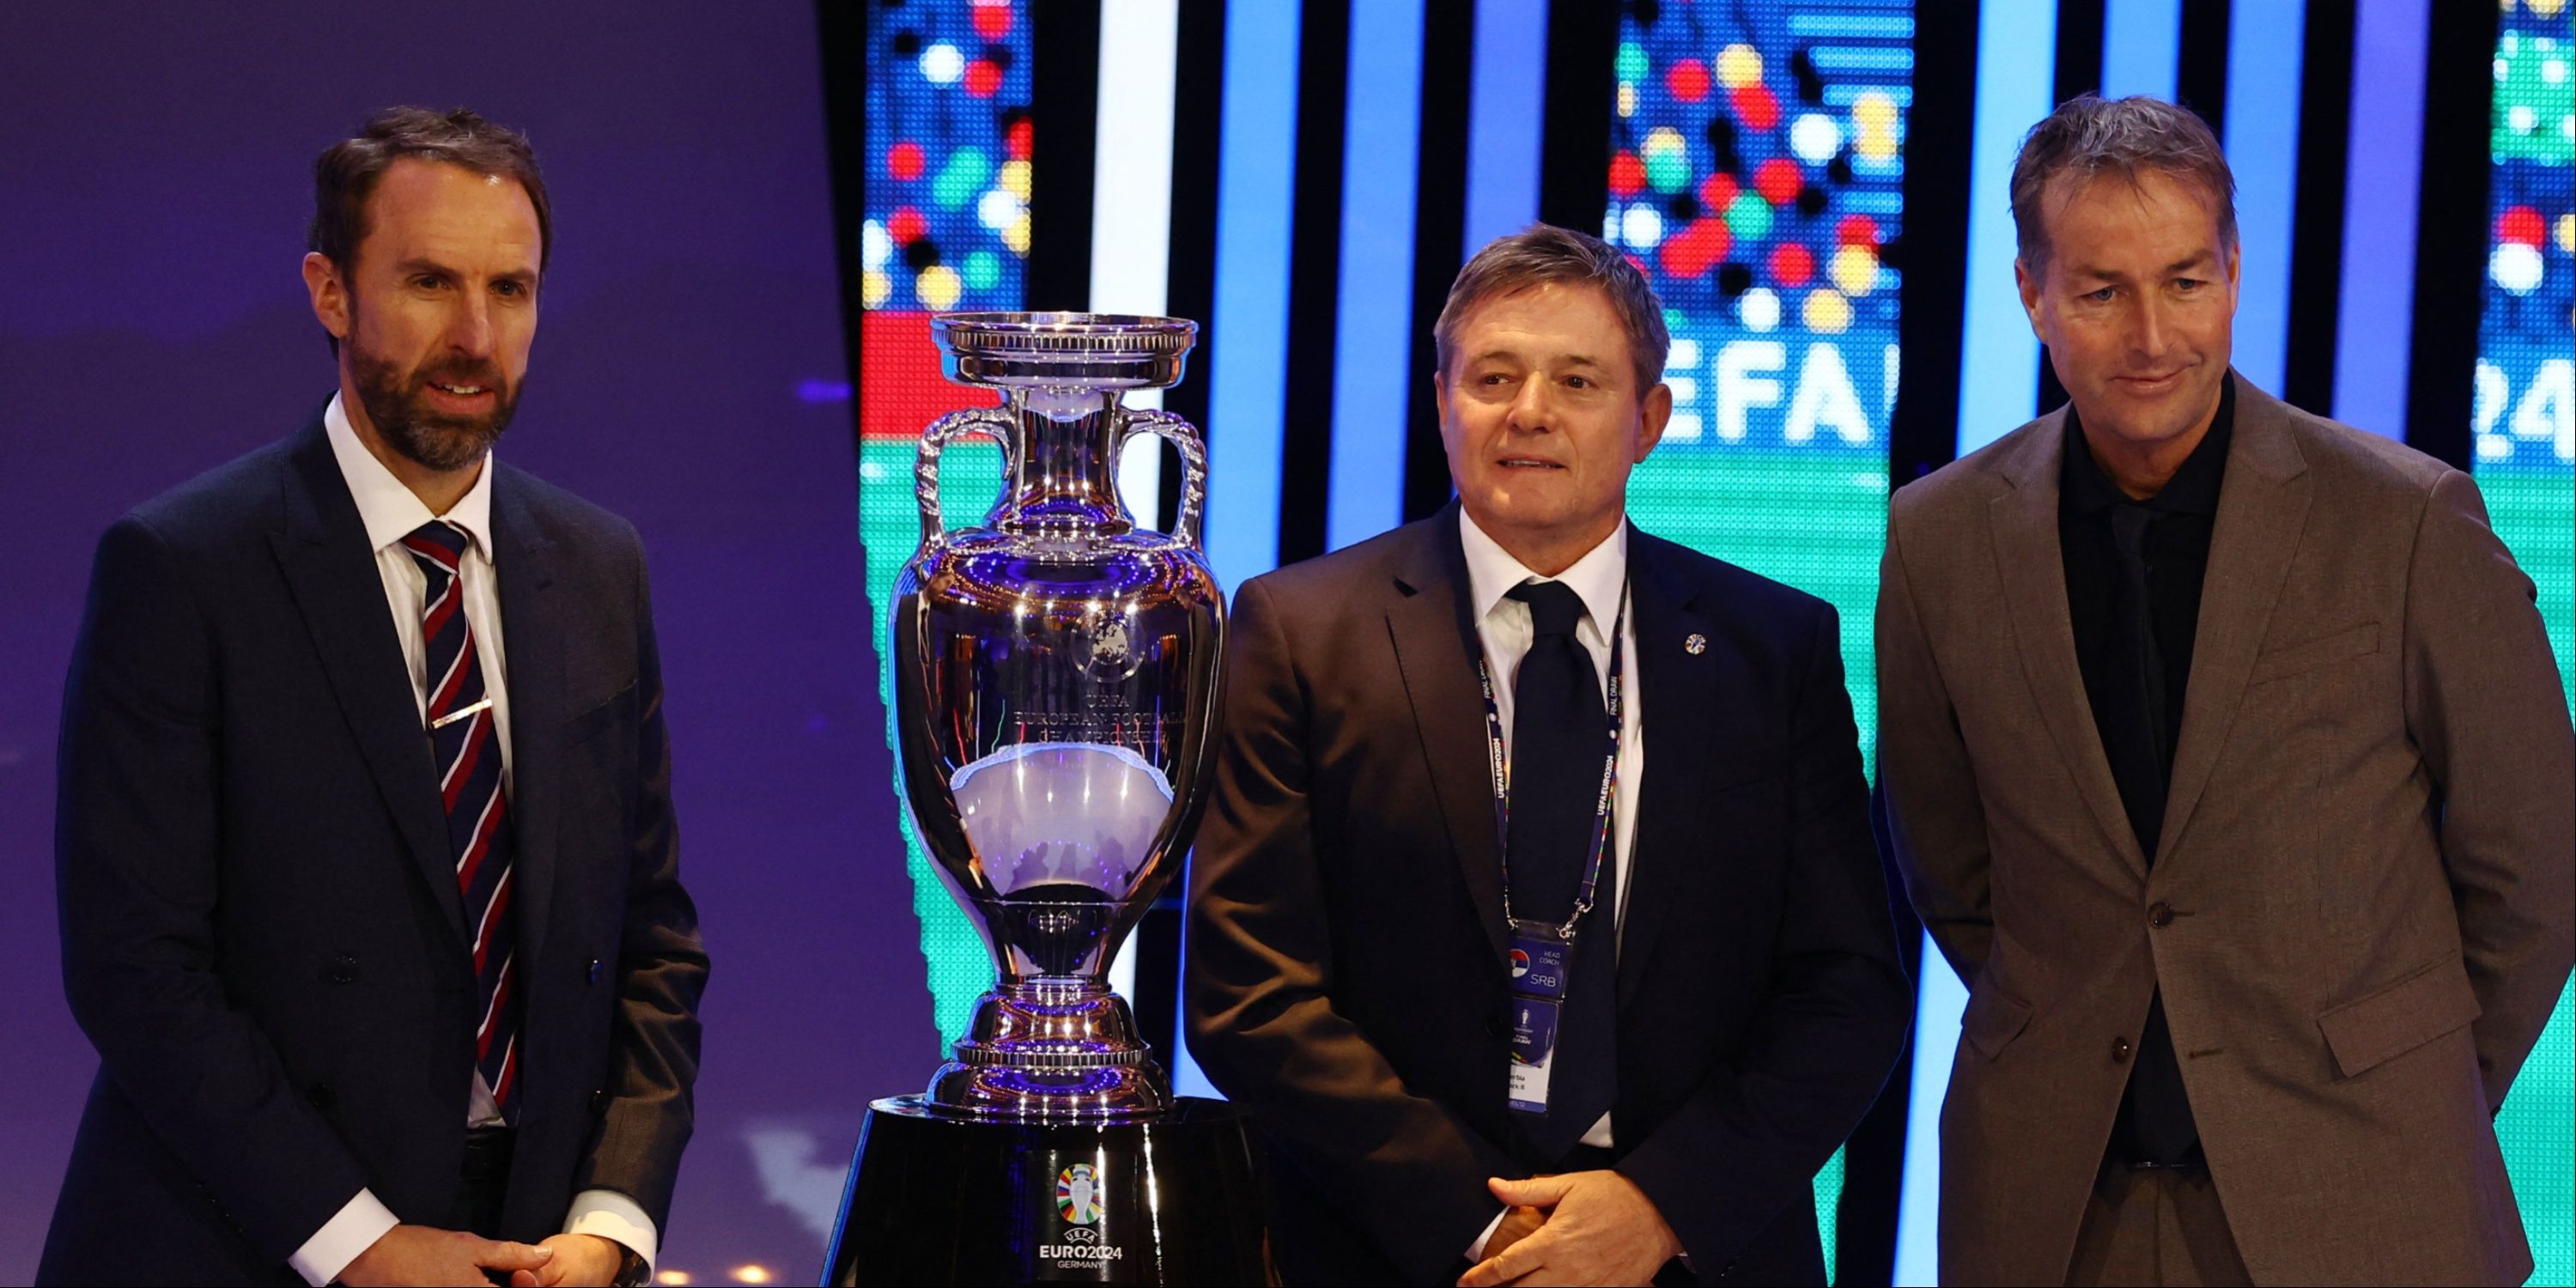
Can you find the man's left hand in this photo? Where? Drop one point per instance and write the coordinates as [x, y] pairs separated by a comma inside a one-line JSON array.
[[583, 1260], [1601, 1229]]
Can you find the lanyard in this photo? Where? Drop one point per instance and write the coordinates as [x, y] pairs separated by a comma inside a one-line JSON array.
[[1498, 764]]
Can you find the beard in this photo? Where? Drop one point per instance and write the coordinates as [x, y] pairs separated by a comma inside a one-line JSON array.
[[397, 403]]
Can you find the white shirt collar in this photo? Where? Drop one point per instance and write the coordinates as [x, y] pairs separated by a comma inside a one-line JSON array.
[[1598, 577], [389, 509]]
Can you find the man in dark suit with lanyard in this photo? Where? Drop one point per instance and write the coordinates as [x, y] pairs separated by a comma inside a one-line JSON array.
[[369, 890], [1536, 915]]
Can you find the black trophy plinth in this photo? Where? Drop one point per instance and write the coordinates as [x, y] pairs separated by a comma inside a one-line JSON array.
[[1170, 1200]]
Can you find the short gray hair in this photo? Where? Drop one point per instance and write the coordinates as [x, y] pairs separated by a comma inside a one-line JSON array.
[[1545, 255], [2089, 136]]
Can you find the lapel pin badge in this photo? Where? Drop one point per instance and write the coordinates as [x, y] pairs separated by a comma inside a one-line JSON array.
[[1695, 644]]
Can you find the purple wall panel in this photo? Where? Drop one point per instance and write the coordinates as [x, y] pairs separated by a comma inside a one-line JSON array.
[[154, 184]]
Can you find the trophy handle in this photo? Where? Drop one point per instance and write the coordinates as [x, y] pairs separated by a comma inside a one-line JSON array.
[[1184, 436], [993, 422]]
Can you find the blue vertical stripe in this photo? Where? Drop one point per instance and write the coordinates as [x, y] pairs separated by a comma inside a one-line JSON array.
[[2265, 45], [1372, 349], [1248, 316], [2141, 47], [1998, 357], [2375, 317], [1505, 100]]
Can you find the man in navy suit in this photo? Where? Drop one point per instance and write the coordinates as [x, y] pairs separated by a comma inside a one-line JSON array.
[[1536, 915], [369, 886]]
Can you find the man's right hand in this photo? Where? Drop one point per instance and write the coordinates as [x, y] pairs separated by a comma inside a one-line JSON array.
[[420, 1254], [1518, 1223]]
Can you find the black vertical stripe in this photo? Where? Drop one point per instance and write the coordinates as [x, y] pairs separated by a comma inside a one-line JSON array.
[[1932, 250], [1314, 273], [2317, 205], [2200, 82], [2079, 48], [2451, 231], [1439, 236], [1198, 98], [1574, 145], [841, 40], [1064, 93]]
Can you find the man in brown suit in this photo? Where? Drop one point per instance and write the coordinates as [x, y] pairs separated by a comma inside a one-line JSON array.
[[2228, 766]]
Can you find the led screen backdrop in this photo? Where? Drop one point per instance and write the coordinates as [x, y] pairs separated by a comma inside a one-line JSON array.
[[946, 227], [1756, 170], [2525, 411]]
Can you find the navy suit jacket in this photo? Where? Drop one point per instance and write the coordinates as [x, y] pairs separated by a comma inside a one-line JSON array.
[[1347, 979], [261, 929]]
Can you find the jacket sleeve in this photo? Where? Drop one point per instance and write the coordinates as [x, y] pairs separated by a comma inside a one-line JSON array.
[[1748, 1143], [661, 971], [137, 833], [1934, 813], [1406, 1169], [2486, 708]]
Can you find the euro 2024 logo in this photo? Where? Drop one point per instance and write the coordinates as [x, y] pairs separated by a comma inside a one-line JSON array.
[[1077, 1194]]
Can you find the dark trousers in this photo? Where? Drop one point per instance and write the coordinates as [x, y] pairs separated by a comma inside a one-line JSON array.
[[2155, 1225], [484, 1182]]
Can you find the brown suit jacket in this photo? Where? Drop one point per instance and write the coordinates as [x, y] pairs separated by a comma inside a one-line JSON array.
[[1346, 973], [2360, 914]]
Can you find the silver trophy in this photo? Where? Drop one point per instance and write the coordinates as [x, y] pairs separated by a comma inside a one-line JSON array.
[[1055, 675]]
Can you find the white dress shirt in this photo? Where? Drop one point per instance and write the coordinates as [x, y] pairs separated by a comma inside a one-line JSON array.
[[391, 512], [1503, 627]]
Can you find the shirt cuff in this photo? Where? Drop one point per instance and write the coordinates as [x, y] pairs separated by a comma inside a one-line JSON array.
[[615, 1217], [1476, 1250], [360, 1222]]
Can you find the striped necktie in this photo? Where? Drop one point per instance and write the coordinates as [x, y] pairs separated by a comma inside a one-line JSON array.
[[467, 750]]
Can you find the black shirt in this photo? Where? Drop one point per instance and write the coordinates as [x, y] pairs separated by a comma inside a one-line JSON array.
[[2139, 733]]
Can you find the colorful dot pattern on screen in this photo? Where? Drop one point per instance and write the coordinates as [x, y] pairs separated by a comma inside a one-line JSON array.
[[949, 138]]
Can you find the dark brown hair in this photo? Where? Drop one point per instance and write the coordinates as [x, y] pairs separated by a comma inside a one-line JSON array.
[[1544, 254], [2088, 136], [348, 170]]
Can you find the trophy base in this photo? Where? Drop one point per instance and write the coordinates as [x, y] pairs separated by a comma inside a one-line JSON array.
[[1050, 1051], [1168, 1200]]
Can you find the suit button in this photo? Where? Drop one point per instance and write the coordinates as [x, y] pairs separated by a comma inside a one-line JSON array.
[[593, 976], [319, 1094], [342, 969], [2160, 915], [598, 1101], [2119, 1050], [1498, 1026]]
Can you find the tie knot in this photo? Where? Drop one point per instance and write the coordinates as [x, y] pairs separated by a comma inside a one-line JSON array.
[[439, 540], [1554, 607]]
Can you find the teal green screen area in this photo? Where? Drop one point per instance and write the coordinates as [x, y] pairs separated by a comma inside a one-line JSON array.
[[1756, 170], [2525, 464]]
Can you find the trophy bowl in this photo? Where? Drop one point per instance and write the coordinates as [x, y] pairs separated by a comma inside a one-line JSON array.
[[1055, 672]]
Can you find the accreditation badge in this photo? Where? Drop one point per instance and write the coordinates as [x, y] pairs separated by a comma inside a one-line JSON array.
[[1539, 959]]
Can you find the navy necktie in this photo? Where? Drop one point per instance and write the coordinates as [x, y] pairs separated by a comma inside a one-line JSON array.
[[1559, 734], [466, 749]]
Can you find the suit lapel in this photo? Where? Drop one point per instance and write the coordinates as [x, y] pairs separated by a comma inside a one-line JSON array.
[[533, 647], [2262, 507], [1436, 650], [2033, 570], [1686, 692], [331, 571]]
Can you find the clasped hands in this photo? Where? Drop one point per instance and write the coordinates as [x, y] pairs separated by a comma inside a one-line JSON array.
[[1574, 1228], [419, 1254]]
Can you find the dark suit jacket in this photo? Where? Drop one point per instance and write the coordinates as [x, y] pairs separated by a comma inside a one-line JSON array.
[[261, 928], [2361, 905], [1346, 957]]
